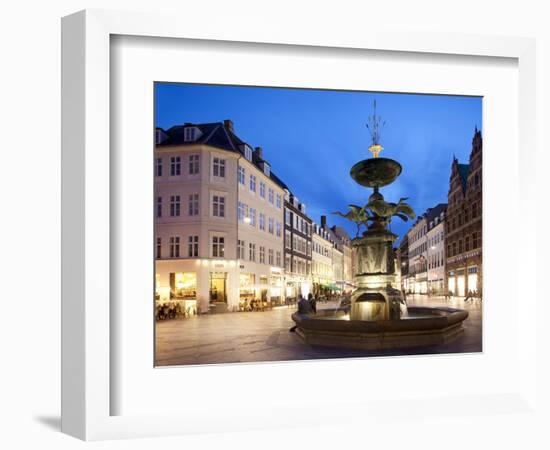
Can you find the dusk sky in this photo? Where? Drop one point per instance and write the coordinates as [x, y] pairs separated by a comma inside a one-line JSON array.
[[312, 138]]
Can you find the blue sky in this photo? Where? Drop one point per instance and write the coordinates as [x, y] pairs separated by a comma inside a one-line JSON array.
[[312, 138]]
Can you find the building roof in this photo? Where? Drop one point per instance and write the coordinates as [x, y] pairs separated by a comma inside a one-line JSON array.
[[219, 135], [434, 212]]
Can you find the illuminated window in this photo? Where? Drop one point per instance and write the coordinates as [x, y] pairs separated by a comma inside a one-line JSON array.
[[183, 285], [218, 246]]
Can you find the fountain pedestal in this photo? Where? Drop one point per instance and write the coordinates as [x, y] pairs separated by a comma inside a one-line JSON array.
[[377, 296]]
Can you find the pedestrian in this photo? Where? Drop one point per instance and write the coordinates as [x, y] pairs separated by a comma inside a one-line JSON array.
[[469, 296], [304, 307], [312, 302]]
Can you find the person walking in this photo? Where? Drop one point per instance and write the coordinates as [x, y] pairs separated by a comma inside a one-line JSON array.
[[312, 302]]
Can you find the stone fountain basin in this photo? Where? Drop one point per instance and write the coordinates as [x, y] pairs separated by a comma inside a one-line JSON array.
[[375, 172], [424, 326]]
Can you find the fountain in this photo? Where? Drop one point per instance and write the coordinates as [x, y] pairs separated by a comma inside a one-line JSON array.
[[378, 317]]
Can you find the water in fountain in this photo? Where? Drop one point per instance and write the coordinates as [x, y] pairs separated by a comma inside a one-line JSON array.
[[338, 305], [404, 309]]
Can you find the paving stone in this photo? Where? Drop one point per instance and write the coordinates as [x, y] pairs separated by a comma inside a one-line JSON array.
[[264, 336]]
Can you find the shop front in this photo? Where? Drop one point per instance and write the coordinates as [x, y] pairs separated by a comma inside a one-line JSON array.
[[436, 287], [457, 282], [181, 299], [296, 287], [473, 281], [276, 287], [421, 284]]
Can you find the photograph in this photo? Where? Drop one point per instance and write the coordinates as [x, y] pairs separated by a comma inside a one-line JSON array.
[[301, 224]]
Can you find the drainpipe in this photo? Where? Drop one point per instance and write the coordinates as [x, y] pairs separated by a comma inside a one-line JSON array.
[[237, 232]]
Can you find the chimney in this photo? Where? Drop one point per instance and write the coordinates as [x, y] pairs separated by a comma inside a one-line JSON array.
[[228, 123], [324, 222], [259, 152]]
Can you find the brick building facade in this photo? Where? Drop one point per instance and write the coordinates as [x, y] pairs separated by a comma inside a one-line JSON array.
[[463, 228]]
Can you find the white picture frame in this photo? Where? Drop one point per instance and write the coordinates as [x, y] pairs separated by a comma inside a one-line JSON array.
[[87, 354]]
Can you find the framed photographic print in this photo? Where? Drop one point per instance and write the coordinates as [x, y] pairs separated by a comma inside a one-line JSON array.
[[252, 219], [249, 229]]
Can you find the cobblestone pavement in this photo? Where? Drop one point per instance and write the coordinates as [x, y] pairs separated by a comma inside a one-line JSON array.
[[264, 336]]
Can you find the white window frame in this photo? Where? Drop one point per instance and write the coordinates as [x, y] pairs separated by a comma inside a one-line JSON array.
[[193, 246], [175, 205], [217, 246], [218, 205], [175, 166], [194, 164], [158, 166], [252, 183], [193, 204], [219, 167], [241, 171]]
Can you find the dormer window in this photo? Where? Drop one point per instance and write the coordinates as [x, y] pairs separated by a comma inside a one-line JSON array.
[[160, 136], [248, 153], [267, 169], [191, 134]]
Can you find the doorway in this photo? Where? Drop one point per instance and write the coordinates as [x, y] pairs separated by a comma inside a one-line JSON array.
[[218, 287]]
